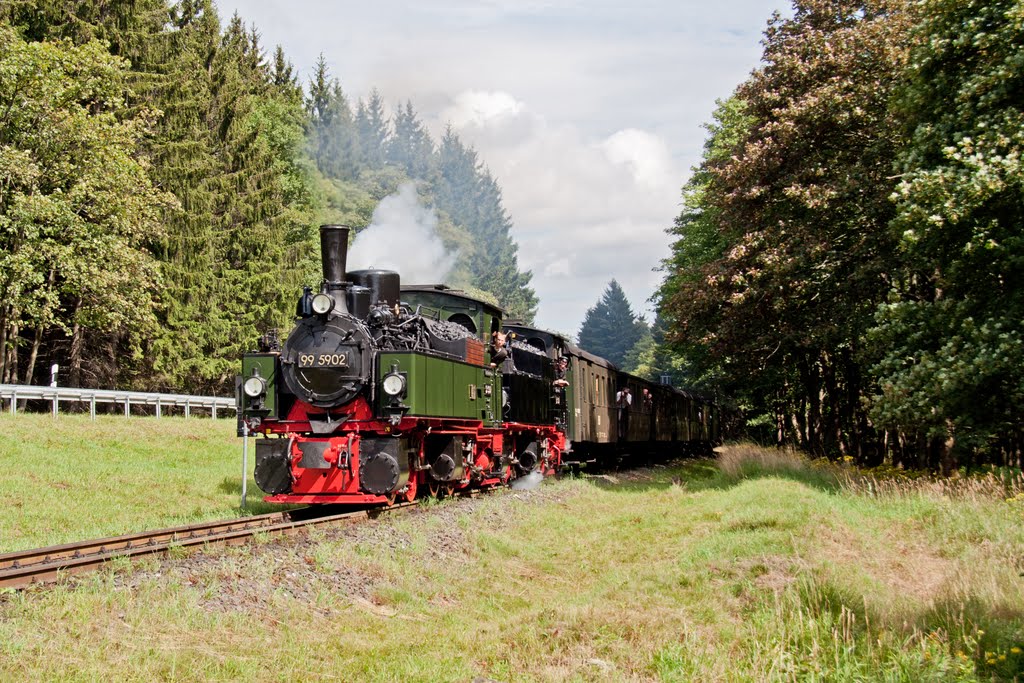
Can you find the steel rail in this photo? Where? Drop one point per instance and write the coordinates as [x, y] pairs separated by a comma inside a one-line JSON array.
[[43, 565]]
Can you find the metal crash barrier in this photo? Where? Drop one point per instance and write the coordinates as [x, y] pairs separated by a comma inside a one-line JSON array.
[[55, 395]]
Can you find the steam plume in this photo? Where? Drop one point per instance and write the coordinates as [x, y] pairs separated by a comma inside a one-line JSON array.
[[528, 482], [403, 237]]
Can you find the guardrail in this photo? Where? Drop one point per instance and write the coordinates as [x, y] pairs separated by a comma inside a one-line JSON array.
[[19, 392]]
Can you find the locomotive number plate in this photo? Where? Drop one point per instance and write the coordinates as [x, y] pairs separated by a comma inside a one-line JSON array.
[[323, 360]]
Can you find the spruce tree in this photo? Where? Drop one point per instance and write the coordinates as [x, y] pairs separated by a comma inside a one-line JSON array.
[[610, 329], [496, 268], [372, 131], [471, 196], [410, 147], [333, 136]]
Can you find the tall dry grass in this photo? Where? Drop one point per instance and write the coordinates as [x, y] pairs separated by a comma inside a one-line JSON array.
[[744, 461], [992, 485]]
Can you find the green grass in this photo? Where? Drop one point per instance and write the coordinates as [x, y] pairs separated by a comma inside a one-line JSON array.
[[765, 571], [70, 478]]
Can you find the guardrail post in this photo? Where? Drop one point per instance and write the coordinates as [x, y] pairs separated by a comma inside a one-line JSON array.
[[55, 405], [213, 408], [127, 406], [14, 402], [92, 407], [158, 407], [188, 409]]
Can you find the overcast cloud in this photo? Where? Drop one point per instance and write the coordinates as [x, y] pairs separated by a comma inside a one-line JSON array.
[[589, 114]]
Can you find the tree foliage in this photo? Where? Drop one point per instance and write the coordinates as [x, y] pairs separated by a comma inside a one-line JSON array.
[[952, 341], [468, 193], [610, 328], [783, 251], [450, 176], [77, 205], [848, 259]]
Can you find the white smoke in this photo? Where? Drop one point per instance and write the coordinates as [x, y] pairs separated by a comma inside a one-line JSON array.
[[402, 236], [528, 482]]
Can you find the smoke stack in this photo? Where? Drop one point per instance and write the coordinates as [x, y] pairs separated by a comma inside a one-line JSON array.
[[333, 253]]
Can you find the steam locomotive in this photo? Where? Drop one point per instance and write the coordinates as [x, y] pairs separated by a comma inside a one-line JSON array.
[[383, 393]]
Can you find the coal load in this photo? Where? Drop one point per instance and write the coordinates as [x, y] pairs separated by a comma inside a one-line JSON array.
[[447, 331], [529, 348], [448, 337], [528, 359]]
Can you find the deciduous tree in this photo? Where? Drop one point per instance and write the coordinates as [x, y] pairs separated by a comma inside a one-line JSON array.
[[952, 340], [784, 251], [76, 203]]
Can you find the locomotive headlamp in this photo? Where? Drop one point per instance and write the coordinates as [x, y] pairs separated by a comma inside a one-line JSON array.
[[322, 303], [254, 386], [393, 384]]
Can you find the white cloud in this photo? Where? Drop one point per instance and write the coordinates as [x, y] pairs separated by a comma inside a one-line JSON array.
[[585, 209], [645, 154], [560, 268], [479, 107]]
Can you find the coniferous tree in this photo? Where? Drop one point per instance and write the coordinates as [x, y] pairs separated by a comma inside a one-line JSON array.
[[410, 147], [333, 136], [610, 329], [468, 193], [257, 216], [459, 168], [496, 268], [372, 131], [284, 76]]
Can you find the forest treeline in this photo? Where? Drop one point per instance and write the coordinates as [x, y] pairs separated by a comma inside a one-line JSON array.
[[848, 265], [161, 183]]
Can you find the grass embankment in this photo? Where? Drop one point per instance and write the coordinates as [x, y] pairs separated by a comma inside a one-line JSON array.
[[760, 567], [68, 479]]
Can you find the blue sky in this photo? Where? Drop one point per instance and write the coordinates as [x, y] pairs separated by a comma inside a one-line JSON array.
[[588, 113]]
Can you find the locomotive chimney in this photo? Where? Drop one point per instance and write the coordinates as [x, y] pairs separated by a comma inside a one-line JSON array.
[[334, 253]]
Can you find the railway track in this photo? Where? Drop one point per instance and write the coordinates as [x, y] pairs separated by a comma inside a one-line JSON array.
[[44, 565]]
